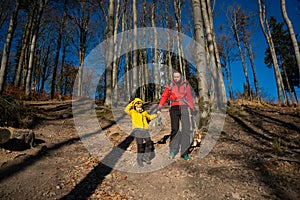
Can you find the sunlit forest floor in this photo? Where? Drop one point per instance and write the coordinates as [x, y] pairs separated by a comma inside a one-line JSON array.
[[257, 156]]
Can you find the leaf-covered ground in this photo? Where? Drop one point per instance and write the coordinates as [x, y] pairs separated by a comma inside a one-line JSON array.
[[256, 157]]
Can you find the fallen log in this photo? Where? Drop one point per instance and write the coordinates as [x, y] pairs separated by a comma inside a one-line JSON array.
[[25, 135], [4, 135]]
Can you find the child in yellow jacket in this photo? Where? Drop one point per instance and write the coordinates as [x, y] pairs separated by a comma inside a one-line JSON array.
[[140, 126]]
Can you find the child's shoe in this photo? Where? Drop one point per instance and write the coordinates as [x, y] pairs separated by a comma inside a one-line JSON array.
[[140, 162], [171, 155], [147, 161]]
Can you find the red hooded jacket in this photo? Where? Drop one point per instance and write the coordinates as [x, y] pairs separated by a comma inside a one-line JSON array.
[[177, 95]]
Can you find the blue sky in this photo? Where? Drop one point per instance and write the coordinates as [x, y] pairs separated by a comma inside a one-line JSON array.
[[265, 75]]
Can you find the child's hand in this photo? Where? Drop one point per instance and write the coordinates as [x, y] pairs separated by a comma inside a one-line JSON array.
[[158, 111]]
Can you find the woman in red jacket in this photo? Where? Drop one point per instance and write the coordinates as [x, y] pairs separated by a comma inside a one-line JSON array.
[[181, 99]]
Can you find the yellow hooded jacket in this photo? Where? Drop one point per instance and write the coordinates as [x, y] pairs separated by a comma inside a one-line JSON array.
[[139, 119]]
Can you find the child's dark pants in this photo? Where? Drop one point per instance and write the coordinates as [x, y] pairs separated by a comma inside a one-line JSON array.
[[142, 135]]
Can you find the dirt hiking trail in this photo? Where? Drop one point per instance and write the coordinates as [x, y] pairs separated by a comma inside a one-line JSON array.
[[256, 157]]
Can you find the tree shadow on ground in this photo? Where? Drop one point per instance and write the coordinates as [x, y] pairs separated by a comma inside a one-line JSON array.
[[19, 145], [272, 181], [265, 137], [88, 185], [21, 164], [95, 177], [15, 167], [282, 123]]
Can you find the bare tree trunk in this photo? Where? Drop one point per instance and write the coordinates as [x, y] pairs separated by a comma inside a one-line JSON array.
[[36, 75], [60, 34], [25, 63], [4, 11], [230, 75], [135, 58], [220, 81], [128, 88], [45, 64], [296, 96], [126, 85], [251, 57], [83, 31], [241, 52], [177, 8], [141, 76], [201, 75], [168, 70], [157, 71], [27, 47], [33, 46], [109, 51], [288, 85], [62, 71], [227, 56], [267, 34], [118, 53], [146, 75], [210, 16], [142, 55], [114, 62], [25, 39], [216, 92], [7, 44], [291, 31]]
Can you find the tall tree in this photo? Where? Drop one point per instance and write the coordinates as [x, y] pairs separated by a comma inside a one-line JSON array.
[[218, 94], [251, 57], [178, 23], [4, 11], [157, 77], [126, 85], [82, 21], [59, 41], [45, 62], [135, 56], [114, 62], [210, 16], [41, 4], [220, 81], [291, 31], [109, 52], [7, 44], [266, 31], [285, 55], [236, 18], [27, 32], [228, 55], [201, 75]]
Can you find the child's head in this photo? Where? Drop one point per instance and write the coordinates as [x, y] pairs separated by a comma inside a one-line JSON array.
[[139, 108], [138, 104]]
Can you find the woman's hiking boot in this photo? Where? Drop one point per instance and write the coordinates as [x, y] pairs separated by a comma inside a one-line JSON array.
[[186, 157]]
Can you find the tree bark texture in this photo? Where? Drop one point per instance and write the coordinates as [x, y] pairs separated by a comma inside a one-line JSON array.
[[291, 31], [267, 34], [7, 45]]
